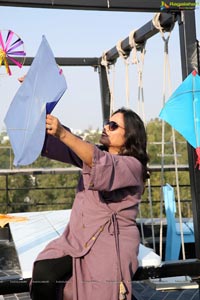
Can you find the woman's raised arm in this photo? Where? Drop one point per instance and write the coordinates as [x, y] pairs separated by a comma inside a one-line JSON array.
[[83, 150]]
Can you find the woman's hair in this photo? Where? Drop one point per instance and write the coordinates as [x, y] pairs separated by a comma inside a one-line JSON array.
[[135, 138]]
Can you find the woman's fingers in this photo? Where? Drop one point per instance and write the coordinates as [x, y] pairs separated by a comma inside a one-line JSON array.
[[52, 125], [21, 79]]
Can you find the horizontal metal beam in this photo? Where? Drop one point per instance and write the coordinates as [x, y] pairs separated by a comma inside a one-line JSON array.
[[157, 168], [167, 21], [189, 267], [106, 5], [36, 171], [141, 35], [14, 285], [66, 61]]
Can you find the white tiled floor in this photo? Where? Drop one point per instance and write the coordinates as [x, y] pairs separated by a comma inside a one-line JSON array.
[[31, 236]]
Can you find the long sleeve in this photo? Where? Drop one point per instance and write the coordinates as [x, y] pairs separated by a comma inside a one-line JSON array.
[[110, 172], [53, 148]]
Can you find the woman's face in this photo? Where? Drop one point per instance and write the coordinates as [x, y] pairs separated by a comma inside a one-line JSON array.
[[114, 139]]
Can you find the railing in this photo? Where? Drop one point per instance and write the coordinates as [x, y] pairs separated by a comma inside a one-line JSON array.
[[23, 201], [11, 183], [38, 196]]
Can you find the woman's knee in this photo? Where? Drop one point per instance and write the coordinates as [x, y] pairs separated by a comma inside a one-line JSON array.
[[52, 269], [42, 271]]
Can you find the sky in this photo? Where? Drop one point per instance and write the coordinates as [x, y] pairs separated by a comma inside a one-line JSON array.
[[73, 33]]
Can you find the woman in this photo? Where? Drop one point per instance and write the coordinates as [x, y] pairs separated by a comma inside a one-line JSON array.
[[100, 244]]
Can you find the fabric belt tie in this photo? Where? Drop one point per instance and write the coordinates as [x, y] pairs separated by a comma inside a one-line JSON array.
[[113, 229]]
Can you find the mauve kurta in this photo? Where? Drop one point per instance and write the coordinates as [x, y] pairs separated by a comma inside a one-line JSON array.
[[102, 236]]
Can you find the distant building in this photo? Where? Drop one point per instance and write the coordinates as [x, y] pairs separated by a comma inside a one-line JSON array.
[[4, 139]]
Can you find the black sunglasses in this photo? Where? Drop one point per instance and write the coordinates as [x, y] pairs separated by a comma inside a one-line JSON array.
[[112, 125]]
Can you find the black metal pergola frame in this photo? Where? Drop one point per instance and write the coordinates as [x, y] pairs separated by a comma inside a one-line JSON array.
[[101, 5], [189, 49]]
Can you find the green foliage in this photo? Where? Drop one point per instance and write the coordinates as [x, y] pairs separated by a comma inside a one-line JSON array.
[[162, 151], [159, 138], [91, 135]]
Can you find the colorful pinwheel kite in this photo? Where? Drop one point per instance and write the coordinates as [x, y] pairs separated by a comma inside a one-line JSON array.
[[11, 49]]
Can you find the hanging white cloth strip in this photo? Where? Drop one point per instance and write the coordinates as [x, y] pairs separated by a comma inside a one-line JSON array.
[[167, 81], [125, 57], [140, 65]]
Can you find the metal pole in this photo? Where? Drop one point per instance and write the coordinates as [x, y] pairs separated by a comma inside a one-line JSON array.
[[141, 35], [105, 92], [114, 5], [7, 193], [190, 61]]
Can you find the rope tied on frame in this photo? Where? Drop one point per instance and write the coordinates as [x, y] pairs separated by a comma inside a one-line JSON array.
[[133, 46], [157, 25], [140, 65], [125, 56]]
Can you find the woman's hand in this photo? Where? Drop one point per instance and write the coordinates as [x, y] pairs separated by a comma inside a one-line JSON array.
[[21, 79], [54, 127]]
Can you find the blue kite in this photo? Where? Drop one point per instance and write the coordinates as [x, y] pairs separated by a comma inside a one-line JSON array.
[[25, 120], [182, 111]]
